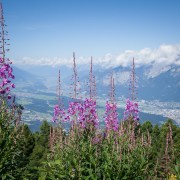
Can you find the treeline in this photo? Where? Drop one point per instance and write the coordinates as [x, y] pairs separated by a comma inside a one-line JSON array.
[[142, 152]]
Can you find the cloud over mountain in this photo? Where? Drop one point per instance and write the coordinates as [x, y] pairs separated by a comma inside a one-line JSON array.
[[160, 59], [165, 54]]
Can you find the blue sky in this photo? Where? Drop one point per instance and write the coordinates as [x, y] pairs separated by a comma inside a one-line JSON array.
[[55, 28]]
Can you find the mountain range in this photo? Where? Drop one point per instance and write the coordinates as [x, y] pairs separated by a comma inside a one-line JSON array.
[[163, 87]]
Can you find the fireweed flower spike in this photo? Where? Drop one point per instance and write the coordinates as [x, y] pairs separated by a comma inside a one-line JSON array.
[[75, 104], [5, 78], [59, 112], [90, 104], [5, 69], [90, 114], [131, 109], [111, 115]]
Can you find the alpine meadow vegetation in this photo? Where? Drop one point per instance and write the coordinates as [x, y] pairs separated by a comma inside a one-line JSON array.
[[122, 149]]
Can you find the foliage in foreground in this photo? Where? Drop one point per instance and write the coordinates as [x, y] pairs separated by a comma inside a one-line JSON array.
[[15, 141], [145, 152]]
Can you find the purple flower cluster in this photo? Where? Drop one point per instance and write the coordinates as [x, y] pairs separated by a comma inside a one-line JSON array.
[[74, 108], [131, 110], [5, 77], [111, 117], [85, 113], [59, 114]]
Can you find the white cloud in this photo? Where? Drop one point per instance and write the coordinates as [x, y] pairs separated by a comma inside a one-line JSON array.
[[163, 57], [166, 54], [44, 61]]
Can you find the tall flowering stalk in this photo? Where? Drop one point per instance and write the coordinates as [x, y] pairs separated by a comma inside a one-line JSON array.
[[75, 104], [84, 111], [60, 116], [131, 110], [111, 115], [5, 64], [59, 112], [12, 138], [90, 104]]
